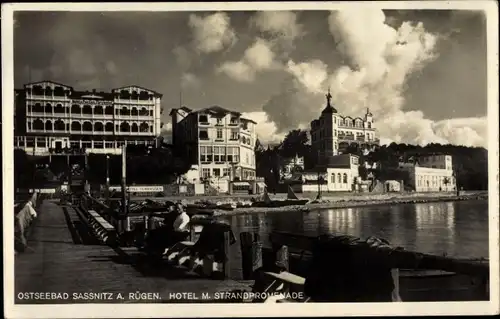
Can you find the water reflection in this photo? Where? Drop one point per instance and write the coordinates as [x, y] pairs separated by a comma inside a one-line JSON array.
[[344, 221], [455, 228]]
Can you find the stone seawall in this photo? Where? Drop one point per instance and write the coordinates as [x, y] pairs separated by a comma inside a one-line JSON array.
[[360, 200]]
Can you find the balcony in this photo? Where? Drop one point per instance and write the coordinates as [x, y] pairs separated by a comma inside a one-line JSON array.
[[46, 98], [47, 115], [134, 117], [133, 102]]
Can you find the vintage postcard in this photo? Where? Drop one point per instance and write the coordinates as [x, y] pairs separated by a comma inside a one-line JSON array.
[[250, 159]]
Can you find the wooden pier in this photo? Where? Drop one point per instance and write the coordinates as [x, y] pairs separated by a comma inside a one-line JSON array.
[[65, 256]]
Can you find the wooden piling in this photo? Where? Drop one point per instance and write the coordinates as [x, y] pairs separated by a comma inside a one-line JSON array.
[[227, 244], [192, 233], [251, 254], [282, 258], [246, 241]]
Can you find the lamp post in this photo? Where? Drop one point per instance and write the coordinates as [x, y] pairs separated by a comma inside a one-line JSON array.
[[319, 178], [107, 177]]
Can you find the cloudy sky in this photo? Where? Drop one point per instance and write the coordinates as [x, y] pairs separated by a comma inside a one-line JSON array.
[[421, 73]]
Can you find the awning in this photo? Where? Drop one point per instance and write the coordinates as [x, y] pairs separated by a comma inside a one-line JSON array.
[[241, 184], [261, 184]]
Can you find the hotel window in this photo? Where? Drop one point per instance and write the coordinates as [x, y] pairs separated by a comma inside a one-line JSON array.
[[219, 154], [233, 154], [219, 121], [234, 120], [203, 135], [345, 178], [333, 178], [205, 172], [203, 119], [339, 178], [216, 172], [219, 133], [205, 153], [226, 171], [234, 135], [86, 144]]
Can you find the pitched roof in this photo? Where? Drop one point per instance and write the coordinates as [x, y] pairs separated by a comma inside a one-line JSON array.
[[137, 87], [216, 109]]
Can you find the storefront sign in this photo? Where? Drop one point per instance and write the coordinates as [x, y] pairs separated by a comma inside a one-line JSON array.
[[92, 101], [138, 189]]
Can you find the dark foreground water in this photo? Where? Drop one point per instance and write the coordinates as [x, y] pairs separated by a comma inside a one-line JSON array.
[[459, 229]]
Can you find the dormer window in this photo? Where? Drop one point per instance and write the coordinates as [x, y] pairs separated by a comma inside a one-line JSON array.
[[219, 121], [234, 120], [203, 119]]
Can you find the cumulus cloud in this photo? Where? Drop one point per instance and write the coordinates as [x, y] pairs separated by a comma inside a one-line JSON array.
[[258, 57], [378, 62], [266, 129], [311, 74], [212, 33], [281, 27], [237, 70]]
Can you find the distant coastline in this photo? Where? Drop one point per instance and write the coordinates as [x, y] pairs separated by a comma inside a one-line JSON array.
[[361, 201]]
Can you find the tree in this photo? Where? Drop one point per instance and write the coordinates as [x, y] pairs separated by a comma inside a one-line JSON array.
[[295, 143]]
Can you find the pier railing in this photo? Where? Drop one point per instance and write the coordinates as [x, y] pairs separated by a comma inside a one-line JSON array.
[[102, 219]]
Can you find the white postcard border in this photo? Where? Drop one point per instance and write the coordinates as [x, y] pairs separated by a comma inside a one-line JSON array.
[[246, 310]]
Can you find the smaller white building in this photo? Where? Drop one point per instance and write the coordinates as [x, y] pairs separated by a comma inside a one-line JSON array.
[[432, 173], [340, 174]]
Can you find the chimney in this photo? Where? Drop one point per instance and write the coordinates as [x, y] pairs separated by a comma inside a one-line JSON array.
[[94, 90]]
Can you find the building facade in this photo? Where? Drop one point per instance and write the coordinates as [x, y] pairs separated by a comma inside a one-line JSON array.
[[341, 174], [332, 133], [50, 117], [432, 173], [221, 143]]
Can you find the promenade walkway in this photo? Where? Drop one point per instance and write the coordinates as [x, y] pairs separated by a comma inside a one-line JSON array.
[[63, 258]]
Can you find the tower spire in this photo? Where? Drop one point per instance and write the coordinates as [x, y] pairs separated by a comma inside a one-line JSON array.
[[328, 98]]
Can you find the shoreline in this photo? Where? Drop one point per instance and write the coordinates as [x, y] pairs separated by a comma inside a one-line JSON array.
[[352, 203]]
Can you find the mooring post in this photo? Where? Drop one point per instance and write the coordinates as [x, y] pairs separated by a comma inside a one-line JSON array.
[[192, 232], [227, 255], [282, 258], [395, 278], [251, 254], [246, 241]]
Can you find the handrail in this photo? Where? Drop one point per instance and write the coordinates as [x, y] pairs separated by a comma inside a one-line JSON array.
[[394, 258]]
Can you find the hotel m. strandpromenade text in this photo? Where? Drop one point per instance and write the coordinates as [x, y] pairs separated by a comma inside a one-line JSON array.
[[151, 296]]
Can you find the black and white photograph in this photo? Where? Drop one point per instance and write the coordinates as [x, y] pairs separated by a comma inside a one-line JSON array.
[[249, 159]]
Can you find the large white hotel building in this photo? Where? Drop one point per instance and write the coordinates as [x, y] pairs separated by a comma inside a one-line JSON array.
[[219, 142], [333, 133], [50, 117]]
